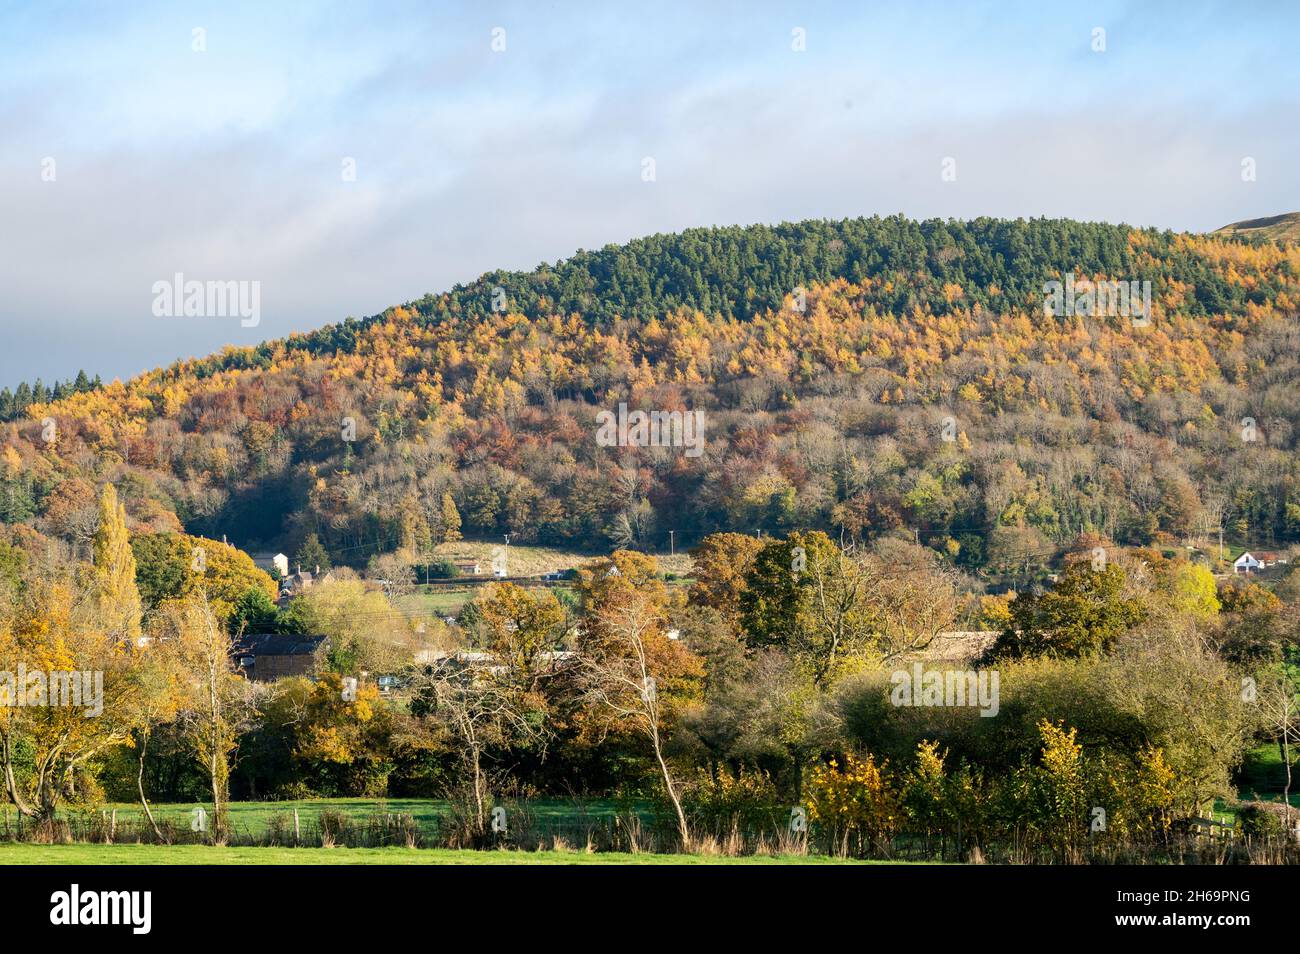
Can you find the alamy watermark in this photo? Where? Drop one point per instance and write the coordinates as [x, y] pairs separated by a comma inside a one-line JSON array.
[[32, 688], [651, 429], [75, 906], [194, 299], [1084, 298], [953, 687]]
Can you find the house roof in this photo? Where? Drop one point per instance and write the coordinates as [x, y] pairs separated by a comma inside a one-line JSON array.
[[1260, 555], [278, 644]]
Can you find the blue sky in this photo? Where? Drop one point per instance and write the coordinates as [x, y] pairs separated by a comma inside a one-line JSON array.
[[226, 164]]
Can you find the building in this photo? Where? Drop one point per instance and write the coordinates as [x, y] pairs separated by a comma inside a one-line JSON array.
[[265, 657], [276, 564], [295, 583], [1257, 560]]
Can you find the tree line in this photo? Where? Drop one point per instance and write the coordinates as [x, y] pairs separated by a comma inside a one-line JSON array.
[[1134, 685]]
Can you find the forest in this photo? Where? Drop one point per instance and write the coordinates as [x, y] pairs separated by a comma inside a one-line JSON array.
[[863, 377]]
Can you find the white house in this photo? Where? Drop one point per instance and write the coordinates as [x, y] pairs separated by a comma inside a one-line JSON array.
[[1259, 560], [277, 564]]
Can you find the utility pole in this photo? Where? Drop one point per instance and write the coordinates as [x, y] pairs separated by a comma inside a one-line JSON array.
[[672, 543]]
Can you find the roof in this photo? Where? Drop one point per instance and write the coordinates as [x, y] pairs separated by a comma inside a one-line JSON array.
[[278, 644]]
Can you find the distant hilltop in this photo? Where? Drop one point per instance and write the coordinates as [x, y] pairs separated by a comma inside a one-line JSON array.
[[1281, 228]]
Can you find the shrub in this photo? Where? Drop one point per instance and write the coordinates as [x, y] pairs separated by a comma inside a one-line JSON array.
[[333, 825], [443, 569], [1264, 819], [746, 801], [857, 805]]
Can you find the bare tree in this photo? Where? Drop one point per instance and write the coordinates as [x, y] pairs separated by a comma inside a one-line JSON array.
[[483, 711], [914, 605], [860, 605], [1281, 713], [620, 669]]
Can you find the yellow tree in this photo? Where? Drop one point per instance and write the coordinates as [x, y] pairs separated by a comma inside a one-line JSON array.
[[63, 685], [214, 705], [116, 596], [722, 561], [450, 519], [520, 628], [157, 695]]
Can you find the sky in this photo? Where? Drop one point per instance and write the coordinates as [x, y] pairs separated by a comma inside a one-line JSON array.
[[346, 157]]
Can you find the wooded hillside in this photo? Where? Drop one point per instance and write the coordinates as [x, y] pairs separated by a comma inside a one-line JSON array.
[[861, 377]]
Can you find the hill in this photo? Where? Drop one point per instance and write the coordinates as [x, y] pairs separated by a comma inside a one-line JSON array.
[[868, 376], [1278, 228]]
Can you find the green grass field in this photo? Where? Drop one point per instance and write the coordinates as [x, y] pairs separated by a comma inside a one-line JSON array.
[[1262, 776], [436, 602], [252, 817], [440, 601], [28, 854]]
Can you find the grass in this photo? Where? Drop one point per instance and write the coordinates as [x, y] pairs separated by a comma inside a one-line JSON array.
[[81, 854], [1263, 777], [436, 602], [252, 817], [1280, 228], [524, 560]]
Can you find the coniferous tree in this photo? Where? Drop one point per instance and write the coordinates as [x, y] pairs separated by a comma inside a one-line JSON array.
[[312, 555]]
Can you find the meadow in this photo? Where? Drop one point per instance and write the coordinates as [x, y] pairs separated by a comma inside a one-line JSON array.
[[253, 818], [82, 854]]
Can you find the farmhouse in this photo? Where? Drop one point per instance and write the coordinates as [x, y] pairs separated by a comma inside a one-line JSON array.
[[270, 656], [1258, 560], [276, 564]]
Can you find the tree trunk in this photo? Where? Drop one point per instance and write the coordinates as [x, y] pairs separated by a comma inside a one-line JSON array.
[[139, 784], [1286, 763], [672, 790], [480, 817], [11, 784]]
